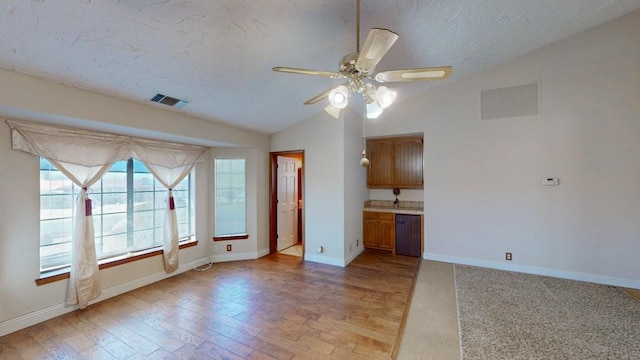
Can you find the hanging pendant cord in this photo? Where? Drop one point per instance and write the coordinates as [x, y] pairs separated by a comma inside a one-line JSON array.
[[364, 127], [358, 26]]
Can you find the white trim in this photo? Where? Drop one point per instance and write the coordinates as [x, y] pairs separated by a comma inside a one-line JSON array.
[[324, 260], [263, 252], [215, 182], [355, 255], [34, 317], [38, 316], [239, 256], [536, 270]]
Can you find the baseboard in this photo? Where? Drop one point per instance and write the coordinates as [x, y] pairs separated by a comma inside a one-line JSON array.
[[324, 260], [239, 256], [354, 255], [38, 316], [535, 270]]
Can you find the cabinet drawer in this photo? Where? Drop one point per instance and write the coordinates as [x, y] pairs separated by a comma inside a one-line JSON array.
[[386, 216], [370, 215], [373, 215]]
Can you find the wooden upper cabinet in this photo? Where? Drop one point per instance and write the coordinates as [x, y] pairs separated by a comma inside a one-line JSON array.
[[408, 163], [395, 162], [381, 163]]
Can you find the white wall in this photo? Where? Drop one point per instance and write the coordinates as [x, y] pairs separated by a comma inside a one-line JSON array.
[[482, 192], [355, 184], [321, 138], [25, 97], [257, 202], [328, 145], [22, 303], [405, 194]]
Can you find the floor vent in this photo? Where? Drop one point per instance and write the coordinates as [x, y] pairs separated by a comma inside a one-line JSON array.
[[168, 100]]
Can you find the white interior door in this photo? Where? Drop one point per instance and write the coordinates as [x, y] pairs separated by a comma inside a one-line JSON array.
[[287, 205]]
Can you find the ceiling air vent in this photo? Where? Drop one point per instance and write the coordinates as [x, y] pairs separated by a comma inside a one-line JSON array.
[[168, 100]]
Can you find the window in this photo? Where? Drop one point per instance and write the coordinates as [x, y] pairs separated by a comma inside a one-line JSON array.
[[230, 203], [128, 206]]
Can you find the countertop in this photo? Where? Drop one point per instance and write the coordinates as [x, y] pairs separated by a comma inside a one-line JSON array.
[[399, 210]]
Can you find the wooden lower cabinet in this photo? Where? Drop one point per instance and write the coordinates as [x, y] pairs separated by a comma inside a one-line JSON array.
[[379, 230]]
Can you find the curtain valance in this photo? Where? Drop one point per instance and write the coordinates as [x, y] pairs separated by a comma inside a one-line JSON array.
[[93, 148]]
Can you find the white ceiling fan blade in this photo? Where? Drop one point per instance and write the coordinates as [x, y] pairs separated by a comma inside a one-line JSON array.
[[291, 70], [378, 42], [418, 74], [318, 97]]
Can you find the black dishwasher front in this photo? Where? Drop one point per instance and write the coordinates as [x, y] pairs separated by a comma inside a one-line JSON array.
[[408, 235]]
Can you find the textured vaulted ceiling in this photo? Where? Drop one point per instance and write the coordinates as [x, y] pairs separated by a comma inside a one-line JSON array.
[[218, 54]]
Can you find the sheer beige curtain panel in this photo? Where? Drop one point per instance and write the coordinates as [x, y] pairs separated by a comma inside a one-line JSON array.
[[84, 282], [84, 156], [169, 163]]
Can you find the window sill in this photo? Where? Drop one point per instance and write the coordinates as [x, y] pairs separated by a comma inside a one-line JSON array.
[[62, 274], [231, 237]]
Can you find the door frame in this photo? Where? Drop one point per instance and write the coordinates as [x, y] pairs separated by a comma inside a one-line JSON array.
[[273, 189]]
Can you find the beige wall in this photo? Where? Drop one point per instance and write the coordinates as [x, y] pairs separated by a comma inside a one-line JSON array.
[[22, 303], [257, 197], [333, 195], [482, 178], [483, 194]]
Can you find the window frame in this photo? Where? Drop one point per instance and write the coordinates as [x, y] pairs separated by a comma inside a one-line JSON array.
[[241, 235], [61, 274], [62, 271]]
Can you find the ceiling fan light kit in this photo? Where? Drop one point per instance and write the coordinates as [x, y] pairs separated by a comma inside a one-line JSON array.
[[358, 70], [339, 97], [385, 97], [373, 109], [333, 111]]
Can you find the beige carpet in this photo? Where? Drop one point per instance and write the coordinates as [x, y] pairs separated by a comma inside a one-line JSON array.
[[506, 315], [431, 330]]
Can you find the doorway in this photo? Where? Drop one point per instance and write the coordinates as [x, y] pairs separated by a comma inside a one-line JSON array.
[[286, 213]]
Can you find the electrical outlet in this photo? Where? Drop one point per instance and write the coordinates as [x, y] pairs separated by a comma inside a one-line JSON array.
[[215, 248], [229, 247], [508, 256], [357, 242], [350, 248]]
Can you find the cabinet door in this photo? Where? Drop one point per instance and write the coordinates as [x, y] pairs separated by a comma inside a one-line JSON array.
[[408, 163], [386, 233], [370, 236], [381, 163]]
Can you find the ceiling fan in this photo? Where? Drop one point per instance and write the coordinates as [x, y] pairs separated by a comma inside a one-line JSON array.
[[358, 68]]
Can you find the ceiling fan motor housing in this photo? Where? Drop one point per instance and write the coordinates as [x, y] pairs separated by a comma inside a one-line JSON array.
[[348, 64]]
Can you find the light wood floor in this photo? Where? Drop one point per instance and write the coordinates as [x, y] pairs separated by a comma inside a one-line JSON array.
[[276, 307]]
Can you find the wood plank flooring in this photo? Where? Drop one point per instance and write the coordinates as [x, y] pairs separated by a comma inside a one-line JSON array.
[[276, 307]]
